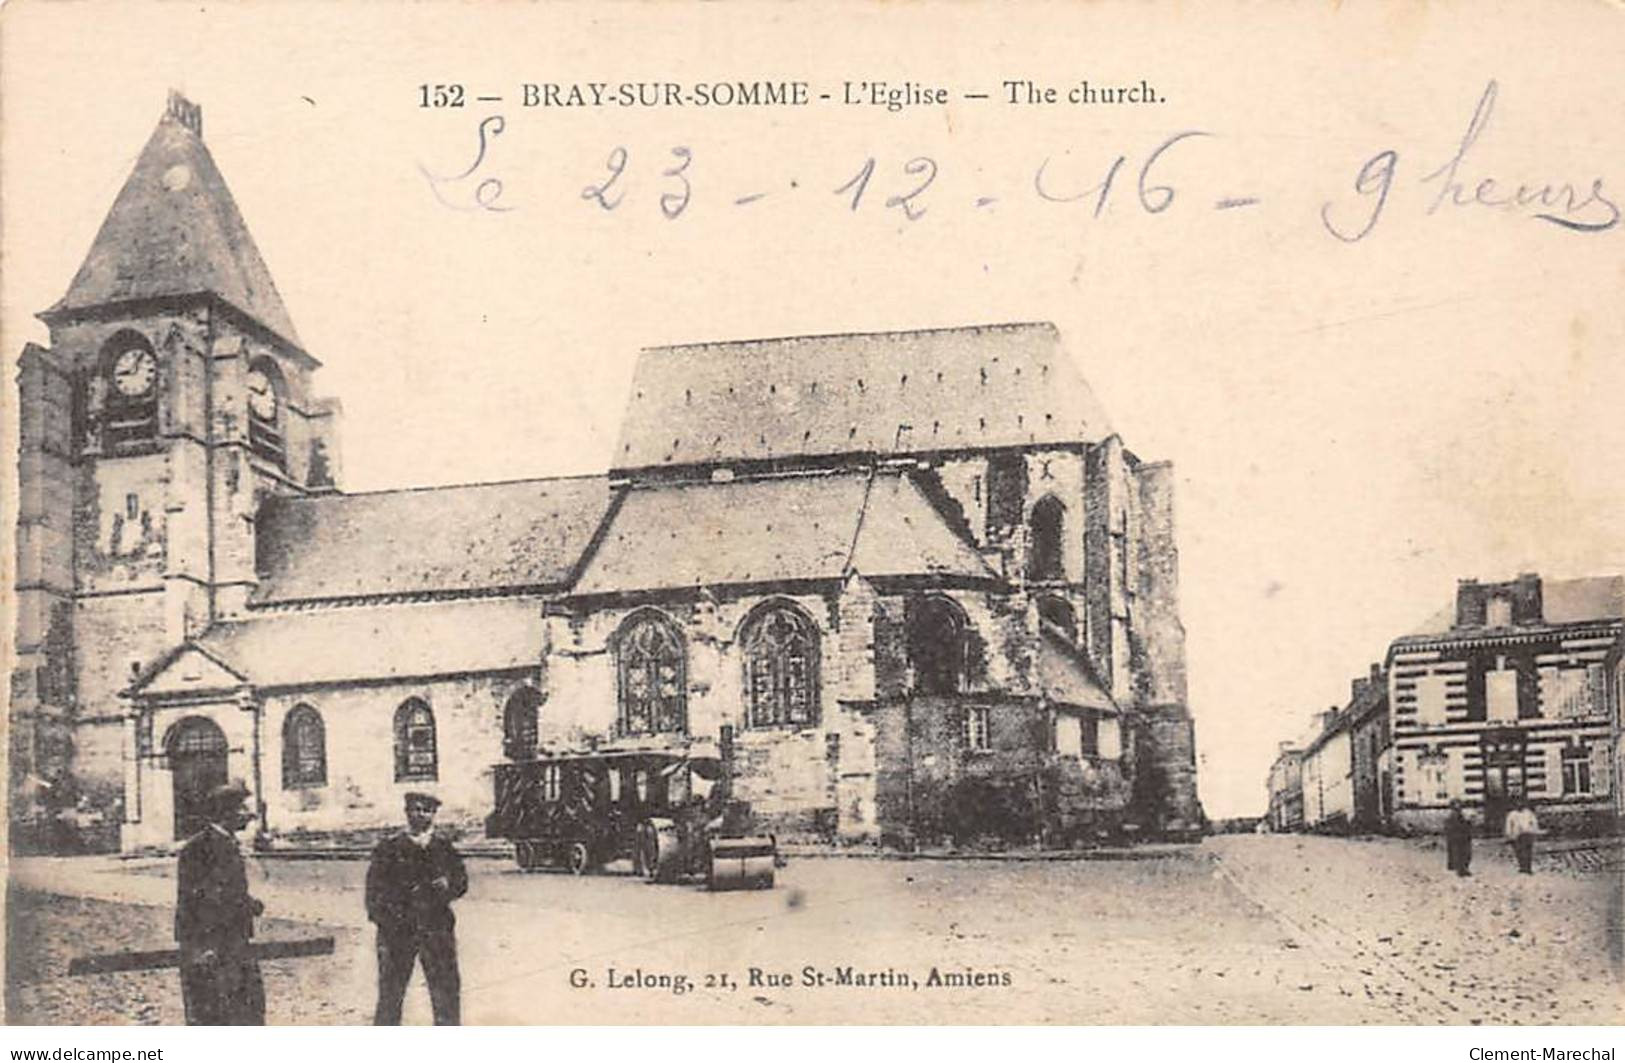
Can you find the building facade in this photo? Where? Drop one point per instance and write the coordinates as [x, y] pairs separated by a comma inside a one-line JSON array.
[[914, 577], [1614, 673], [1286, 790], [1367, 714], [1328, 775], [1504, 696]]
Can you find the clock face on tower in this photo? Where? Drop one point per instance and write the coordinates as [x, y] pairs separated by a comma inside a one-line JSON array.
[[261, 396], [134, 372]]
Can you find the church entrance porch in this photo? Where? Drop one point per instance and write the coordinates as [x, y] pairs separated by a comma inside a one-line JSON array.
[[197, 764], [174, 756]]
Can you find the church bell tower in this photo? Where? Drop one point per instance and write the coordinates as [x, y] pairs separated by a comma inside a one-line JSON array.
[[174, 397]]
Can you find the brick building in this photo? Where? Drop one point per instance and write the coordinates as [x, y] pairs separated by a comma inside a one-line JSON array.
[[1503, 696], [916, 574]]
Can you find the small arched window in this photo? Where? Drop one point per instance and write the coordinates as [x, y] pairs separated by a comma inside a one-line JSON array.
[[652, 669], [936, 646], [267, 394], [130, 385], [304, 749], [416, 754], [1045, 560], [521, 724], [781, 667], [1059, 614]]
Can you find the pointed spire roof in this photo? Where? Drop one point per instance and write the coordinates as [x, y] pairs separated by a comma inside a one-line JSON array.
[[175, 230]]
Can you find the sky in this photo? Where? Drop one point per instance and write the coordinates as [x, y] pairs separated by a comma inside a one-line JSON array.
[[1355, 424]]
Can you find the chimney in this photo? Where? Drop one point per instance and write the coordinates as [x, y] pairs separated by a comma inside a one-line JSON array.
[[1469, 603], [1527, 604], [184, 111]]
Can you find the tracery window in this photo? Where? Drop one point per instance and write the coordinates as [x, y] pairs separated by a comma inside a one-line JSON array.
[[936, 646], [650, 661], [304, 749], [1045, 557], [416, 754], [781, 667], [1006, 488]]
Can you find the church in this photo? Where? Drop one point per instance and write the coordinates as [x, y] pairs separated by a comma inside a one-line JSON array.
[[915, 578]]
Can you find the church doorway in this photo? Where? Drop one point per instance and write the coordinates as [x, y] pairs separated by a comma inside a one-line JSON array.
[[197, 764]]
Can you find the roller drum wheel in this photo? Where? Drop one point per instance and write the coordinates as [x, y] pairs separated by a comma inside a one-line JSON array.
[[578, 858], [742, 863]]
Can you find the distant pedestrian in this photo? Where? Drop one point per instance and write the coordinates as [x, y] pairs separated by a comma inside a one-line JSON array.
[[412, 880], [1521, 829], [1458, 841], [214, 919]]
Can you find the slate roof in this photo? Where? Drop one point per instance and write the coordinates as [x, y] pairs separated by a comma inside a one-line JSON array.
[[1065, 676], [175, 230], [466, 538], [985, 386], [379, 642], [1563, 601], [785, 528]]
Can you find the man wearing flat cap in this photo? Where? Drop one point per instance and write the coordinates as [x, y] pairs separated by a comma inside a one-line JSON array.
[[412, 880], [214, 919]]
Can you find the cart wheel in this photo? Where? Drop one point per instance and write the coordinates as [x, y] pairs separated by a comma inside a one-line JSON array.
[[580, 859]]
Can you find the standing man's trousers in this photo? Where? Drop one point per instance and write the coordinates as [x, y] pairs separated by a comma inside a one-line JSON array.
[[1524, 847], [397, 953], [227, 992]]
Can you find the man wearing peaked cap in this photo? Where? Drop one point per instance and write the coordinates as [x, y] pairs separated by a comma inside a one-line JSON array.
[[214, 919], [414, 876]]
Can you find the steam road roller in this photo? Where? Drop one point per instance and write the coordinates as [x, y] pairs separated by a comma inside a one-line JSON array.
[[668, 809]]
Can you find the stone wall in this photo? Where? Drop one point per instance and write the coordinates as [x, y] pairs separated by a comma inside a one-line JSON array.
[[361, 792]]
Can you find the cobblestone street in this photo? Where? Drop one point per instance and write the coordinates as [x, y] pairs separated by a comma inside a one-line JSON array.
[[1273, 930]]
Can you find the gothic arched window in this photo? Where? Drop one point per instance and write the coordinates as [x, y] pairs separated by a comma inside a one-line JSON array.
[[652, 672], [1045, 560], [416, 755], [521, 724], [936, 646], [781, 667], [304, 749], [267, 393], [129, 411]]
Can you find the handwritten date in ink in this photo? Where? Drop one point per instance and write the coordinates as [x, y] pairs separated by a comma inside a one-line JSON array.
[[678, 179]]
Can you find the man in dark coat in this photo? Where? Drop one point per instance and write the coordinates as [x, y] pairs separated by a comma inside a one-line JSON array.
[[412, 880], [1458, 841], [214, 920]]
